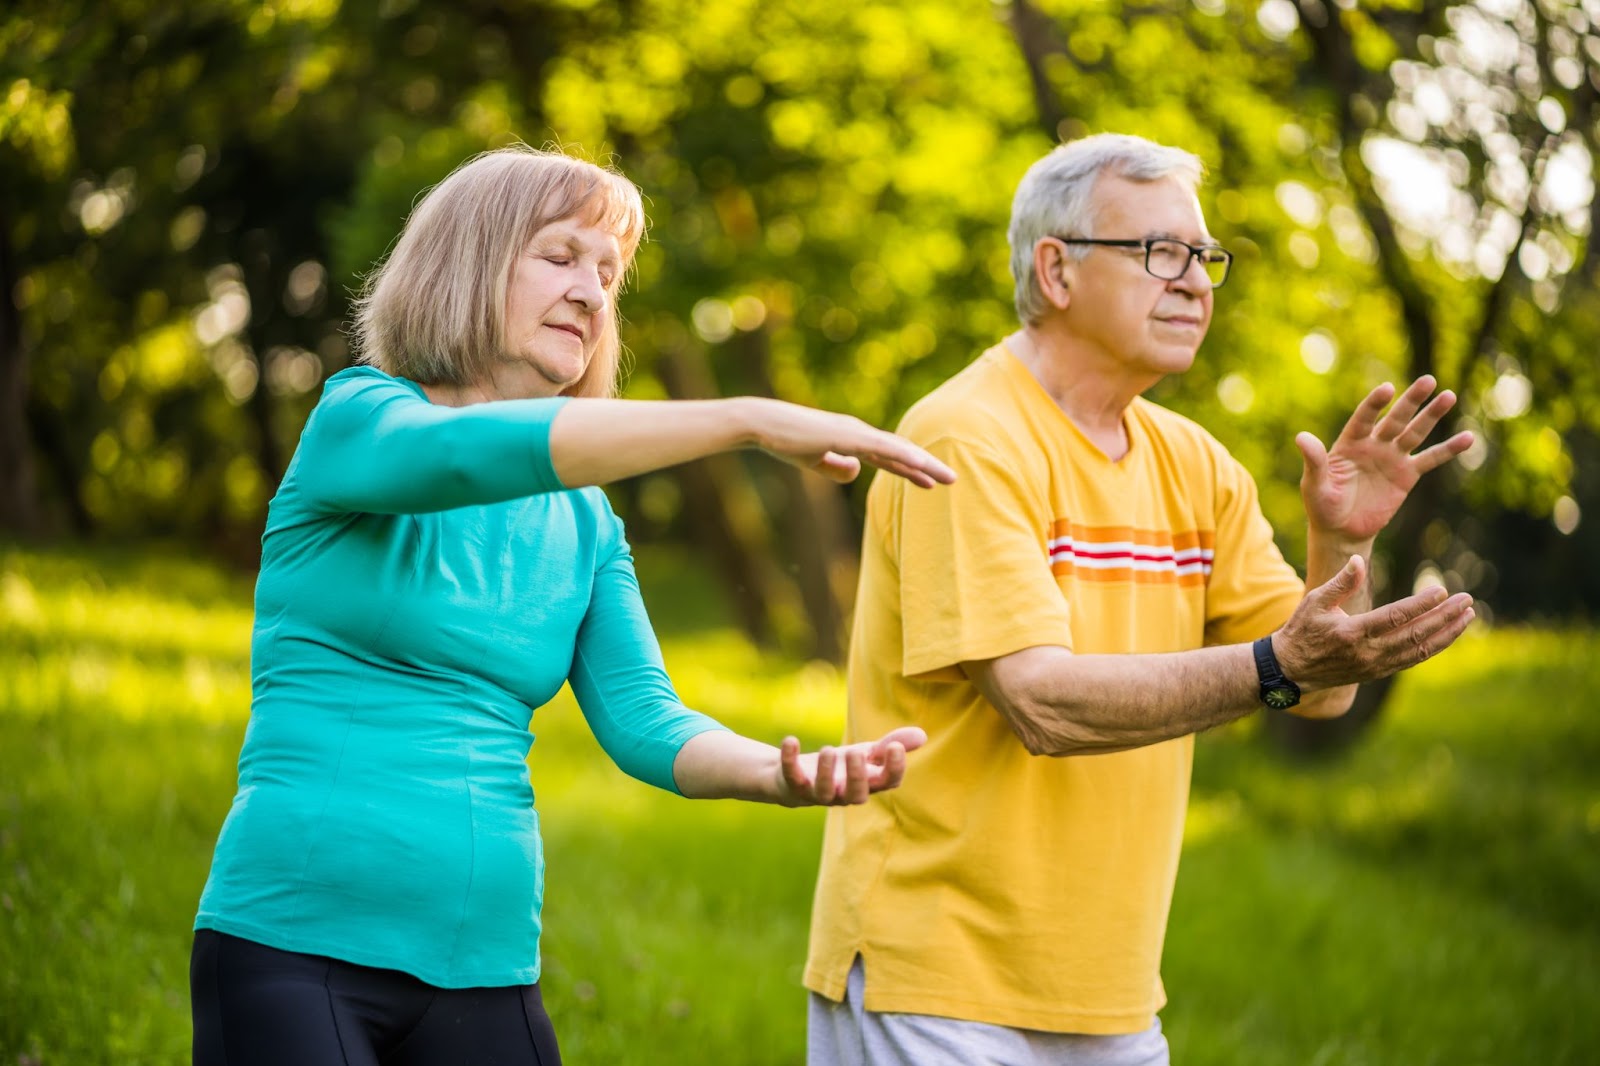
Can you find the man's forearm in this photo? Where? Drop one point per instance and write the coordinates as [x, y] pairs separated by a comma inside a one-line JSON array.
[[1059, 703]]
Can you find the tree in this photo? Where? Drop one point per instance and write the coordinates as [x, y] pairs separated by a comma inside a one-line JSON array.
[[188, 195]]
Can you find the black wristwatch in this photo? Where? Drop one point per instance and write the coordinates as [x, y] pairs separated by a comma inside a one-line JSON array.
[[1277, 691]]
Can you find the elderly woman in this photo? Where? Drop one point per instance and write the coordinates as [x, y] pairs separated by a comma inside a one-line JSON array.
[[436, 563]]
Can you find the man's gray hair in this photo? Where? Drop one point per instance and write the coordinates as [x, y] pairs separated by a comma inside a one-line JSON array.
[[1056, 199]]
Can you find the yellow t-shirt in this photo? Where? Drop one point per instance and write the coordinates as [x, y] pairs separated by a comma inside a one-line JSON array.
[[993, 885]]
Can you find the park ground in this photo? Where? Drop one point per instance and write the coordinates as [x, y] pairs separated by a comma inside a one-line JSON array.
[[1432, 897]]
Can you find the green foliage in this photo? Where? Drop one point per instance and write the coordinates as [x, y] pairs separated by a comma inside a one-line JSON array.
[[191, 194], [1428, 901]]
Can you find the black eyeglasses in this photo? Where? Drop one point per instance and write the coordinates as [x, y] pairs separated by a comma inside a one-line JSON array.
[[1168, 258]]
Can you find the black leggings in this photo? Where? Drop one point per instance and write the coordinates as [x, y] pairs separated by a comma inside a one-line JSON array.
[[258, 1006]]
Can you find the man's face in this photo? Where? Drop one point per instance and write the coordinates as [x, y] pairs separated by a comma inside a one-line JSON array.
[[1135, 320]]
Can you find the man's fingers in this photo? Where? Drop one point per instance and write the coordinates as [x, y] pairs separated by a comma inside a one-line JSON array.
[[1417, 430], [1312, 452], [1406, 407], [1441, 453], [1448, 636], [1392, 617], [1338, 588], [1366, 413], [1429, 634]]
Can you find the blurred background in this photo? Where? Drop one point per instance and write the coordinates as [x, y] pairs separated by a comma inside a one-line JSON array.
[[190, 194]]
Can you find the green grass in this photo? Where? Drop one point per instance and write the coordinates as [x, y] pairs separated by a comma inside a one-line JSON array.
[[1434, 898]]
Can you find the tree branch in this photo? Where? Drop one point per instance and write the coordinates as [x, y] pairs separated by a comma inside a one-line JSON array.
[[1334, 56]]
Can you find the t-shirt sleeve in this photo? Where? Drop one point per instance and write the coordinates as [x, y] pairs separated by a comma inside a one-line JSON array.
[[974, 565], [1253, 590], [372, 445], [620, 679]]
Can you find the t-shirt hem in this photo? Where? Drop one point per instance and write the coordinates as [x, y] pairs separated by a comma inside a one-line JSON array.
[[1071, 1020], [276, 938]]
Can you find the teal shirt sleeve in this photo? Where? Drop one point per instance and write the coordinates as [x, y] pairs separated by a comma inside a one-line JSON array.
[[376, 445], [621, 682]]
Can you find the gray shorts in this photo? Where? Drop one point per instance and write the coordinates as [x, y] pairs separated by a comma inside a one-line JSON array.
[[847, 1034]]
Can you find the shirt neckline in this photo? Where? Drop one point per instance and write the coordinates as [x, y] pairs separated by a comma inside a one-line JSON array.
[[1017, 369]]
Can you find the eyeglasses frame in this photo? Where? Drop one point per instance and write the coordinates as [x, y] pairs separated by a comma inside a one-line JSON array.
[[1195, 252]]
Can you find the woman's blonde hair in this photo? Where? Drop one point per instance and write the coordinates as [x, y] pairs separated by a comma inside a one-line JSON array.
[[434, 310]]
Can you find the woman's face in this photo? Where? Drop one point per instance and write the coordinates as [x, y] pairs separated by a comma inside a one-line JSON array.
[[557, 303]]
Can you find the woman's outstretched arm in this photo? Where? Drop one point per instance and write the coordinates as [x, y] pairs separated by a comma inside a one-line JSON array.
[[593, 442]]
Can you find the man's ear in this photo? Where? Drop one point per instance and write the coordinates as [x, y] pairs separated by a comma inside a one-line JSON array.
[[1054, 273]]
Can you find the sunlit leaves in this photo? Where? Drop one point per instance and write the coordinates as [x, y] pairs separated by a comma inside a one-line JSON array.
[[38, 123]]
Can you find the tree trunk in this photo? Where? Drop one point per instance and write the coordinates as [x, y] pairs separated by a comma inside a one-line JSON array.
[[816, 525], [1333, 58], [1036, 40], [724, 513], [19, 492]]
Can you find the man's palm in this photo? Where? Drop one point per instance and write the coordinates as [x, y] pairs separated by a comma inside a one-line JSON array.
[[1355, 489]]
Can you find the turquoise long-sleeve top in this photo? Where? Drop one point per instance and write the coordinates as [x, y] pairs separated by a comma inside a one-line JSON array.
[[426, 583]]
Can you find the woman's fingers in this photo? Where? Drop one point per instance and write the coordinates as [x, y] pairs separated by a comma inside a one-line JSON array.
[[857, 786], [848, 774], [835, 467], [836, 445], [900, 456], [825, 787], [909, 737], [893, 767], [794, 775]]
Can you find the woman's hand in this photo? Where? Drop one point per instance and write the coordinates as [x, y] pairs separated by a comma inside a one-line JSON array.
[[836, 445], [834, 777]]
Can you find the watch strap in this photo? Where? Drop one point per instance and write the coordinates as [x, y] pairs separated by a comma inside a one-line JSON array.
[[1277, 691]]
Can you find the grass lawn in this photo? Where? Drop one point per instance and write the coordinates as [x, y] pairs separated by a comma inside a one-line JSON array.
[[1433, 898]]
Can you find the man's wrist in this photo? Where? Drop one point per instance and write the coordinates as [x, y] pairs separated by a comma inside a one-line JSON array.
[[1277, 690], [1338, 544]]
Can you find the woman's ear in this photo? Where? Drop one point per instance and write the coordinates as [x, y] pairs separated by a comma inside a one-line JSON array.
[[1053, 272]]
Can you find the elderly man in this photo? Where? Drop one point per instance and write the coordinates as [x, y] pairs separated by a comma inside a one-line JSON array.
[[1098, 586]]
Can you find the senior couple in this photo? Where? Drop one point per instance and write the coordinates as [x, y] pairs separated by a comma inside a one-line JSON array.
[[1062, 584]]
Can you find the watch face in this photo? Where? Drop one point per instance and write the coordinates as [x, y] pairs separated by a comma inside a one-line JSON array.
[[1280, 699]]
